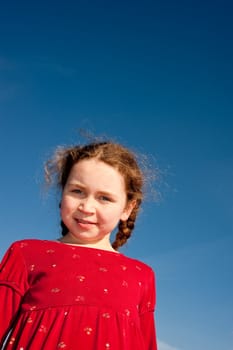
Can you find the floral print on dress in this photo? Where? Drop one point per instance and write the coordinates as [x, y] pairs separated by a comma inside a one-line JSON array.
[[88, 330], [61, 345], [76, 298]]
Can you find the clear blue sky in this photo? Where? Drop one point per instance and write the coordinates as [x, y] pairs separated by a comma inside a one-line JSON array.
[[158, 77]]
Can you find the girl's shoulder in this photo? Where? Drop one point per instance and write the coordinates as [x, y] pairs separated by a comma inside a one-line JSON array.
[[29, 245], [139, 265], [30, 249], [28, 242]]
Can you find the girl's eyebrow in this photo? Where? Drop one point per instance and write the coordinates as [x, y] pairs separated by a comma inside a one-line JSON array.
[[76, 184]]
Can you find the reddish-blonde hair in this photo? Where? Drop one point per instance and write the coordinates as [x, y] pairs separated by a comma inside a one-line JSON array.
[[113, 154]]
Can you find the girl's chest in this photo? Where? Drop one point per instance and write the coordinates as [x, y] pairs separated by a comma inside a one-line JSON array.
[[76, 281]]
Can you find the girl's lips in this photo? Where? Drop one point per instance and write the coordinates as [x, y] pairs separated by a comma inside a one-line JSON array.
[[85, 222], [85, 225]]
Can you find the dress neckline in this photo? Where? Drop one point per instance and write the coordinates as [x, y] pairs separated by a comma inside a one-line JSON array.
[[77, 246]]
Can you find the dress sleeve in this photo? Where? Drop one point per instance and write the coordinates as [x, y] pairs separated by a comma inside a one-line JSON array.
[[13, 285], [146, 310]]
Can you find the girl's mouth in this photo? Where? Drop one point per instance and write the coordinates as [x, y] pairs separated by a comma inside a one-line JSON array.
[[85, 224]]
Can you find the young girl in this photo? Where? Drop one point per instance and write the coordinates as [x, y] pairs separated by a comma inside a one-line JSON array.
[[79, 292]]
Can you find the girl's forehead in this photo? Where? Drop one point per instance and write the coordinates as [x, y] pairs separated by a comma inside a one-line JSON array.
[[95, 169], [91, 164]]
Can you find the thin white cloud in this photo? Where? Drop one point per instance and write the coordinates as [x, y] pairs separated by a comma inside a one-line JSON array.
[[165, 346]]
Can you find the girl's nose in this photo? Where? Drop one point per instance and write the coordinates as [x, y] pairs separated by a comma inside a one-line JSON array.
[[86, 206]]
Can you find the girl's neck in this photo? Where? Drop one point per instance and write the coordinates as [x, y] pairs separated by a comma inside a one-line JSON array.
[[103, 244]]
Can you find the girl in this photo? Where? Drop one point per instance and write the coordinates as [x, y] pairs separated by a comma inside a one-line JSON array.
[[79, 292]]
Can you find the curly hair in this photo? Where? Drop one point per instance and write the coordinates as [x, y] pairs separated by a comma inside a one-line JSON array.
[[113, 154]]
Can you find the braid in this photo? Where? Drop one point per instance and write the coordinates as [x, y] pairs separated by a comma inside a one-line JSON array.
[[125, 229]]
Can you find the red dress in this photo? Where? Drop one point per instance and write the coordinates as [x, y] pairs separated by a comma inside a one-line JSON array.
[[59, 296]]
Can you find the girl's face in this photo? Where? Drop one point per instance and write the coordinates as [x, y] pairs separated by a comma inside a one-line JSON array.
[[93, 201]]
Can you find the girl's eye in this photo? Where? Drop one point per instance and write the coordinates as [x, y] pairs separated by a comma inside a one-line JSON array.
[[105, 199], [77, 190]]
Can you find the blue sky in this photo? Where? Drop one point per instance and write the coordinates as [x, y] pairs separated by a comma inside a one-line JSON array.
[[158, 77]]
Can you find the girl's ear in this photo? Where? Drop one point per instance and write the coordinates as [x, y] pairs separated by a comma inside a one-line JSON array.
[[128, 210]]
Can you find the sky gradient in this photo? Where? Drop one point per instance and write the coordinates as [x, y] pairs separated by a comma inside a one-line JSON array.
[[156, 76]]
